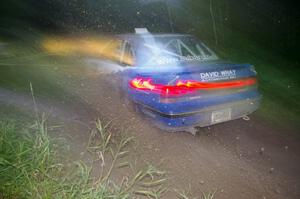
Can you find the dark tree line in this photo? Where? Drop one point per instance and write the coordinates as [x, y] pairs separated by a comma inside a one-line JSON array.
[[273, 23]]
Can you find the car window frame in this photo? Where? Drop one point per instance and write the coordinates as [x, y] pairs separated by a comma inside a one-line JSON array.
[[123, 52]]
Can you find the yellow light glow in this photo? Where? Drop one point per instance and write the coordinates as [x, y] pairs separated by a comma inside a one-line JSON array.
[[102, 47]]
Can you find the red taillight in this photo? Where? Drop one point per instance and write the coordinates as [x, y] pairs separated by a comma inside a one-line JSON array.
[[187, 86], [164, 90], [217, 85], [142, 84]]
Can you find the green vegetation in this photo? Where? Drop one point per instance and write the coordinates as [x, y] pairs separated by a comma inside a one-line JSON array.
[[188, 195], [278, 79], [26, 164], [25, 63], [29, 167], [209, 195]]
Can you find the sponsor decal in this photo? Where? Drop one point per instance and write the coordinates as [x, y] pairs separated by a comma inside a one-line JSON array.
[[218, 75], [170, 60]]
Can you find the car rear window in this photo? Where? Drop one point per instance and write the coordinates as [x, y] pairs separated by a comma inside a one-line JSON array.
[[165, 50]]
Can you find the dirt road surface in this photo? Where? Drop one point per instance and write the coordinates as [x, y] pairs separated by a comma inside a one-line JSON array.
[[254, 159]]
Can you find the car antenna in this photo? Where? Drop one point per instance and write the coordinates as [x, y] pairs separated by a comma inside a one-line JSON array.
[[170, 16]]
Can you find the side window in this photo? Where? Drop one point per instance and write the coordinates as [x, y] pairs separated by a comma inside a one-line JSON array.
[[118, 50], [113, 50], [127, 56]]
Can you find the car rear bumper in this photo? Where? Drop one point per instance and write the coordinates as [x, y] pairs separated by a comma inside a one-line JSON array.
[[202, 117]]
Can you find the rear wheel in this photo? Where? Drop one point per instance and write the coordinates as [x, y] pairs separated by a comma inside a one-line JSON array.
[[129, 104]]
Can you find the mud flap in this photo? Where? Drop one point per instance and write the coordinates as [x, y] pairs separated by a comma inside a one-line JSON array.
[[191, 130]]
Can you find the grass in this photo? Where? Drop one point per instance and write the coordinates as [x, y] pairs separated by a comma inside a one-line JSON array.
[[188, 195], [209, 195], [25, 63], [26, 165], [278, 80], [148, 181], [29, 167]]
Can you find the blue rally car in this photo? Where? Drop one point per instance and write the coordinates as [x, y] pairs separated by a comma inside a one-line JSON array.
[[180, 83]]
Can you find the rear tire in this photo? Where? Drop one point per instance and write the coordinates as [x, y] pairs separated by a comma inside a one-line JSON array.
[[129, 104]]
